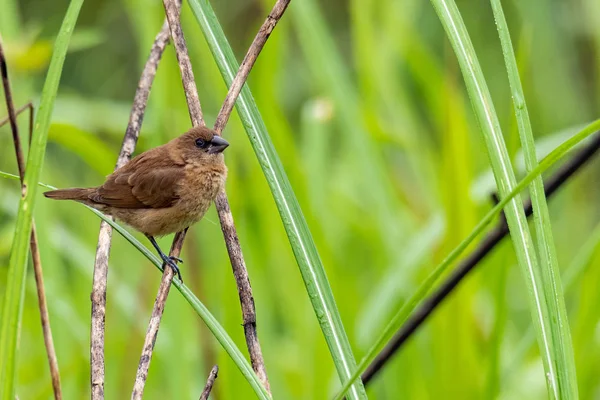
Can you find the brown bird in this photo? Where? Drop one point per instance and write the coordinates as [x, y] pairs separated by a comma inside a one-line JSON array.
[[163, 190]]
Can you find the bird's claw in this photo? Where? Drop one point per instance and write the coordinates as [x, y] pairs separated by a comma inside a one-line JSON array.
[[179, 260], [171, 262]]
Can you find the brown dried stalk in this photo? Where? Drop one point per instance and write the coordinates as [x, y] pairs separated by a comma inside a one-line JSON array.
[[209, 383], [18, 111], [104, 239], [33, 242], [222, 204]]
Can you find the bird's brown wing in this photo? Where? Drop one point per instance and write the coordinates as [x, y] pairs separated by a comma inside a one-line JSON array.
[[147, 182]]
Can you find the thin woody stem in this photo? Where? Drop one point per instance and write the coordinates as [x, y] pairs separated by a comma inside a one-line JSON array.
[[209, 383], [173, 11], [104, 238], [18, 111], [33, 242]]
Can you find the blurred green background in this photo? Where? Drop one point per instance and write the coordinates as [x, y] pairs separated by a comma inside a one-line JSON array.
[[366, 106]]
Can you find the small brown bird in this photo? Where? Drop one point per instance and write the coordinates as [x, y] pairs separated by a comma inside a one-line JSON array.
[[163, 190]]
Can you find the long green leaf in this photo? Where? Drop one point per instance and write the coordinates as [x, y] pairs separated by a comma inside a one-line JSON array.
[[210, 321], [409, 306], [575, 271], [12, 309], [303, 246], [563, 380], [539, 292]]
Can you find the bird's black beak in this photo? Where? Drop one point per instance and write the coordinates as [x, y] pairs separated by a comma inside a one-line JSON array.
[[217, 145]]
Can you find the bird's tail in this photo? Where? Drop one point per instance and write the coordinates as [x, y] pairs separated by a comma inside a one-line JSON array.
[[77, 194]]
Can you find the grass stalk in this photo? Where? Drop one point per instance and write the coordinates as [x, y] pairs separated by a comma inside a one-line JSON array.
[[562, 378], [539, 290]]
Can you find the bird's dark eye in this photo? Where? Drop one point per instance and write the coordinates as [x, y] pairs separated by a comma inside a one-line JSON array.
[[200, 143]]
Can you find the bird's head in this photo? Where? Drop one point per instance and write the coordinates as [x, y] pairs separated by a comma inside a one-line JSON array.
[[201, 144]]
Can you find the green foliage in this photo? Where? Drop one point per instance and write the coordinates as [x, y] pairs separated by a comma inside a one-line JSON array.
[[546, 301], [366, 107]]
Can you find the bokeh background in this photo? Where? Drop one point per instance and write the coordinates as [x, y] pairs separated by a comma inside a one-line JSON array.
[[366, 106]]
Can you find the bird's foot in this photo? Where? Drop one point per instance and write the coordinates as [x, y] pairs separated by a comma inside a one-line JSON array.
[[170, 261], [179, 260]]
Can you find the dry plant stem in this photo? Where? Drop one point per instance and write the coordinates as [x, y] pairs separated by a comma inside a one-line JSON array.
[[172, 10], [244, 288], [18, 111], [104, 238], [242, 75], [209, 383], [33, 242], [489, 242]]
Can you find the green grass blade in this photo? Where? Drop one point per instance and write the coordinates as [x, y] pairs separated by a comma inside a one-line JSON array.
[[210, 321], [538, 289], [564, 377], [409, 306], [12, 308], [575, 271], [299, 235]]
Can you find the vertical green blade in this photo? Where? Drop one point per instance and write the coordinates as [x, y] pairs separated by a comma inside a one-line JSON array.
[[540, 297], [563, 381]]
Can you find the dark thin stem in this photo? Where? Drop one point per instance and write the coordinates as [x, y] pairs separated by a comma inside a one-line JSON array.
[[12, 116], [18, 111], [104, 238], [33, 242], [242, 280], [490, 241], [209, 383]]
